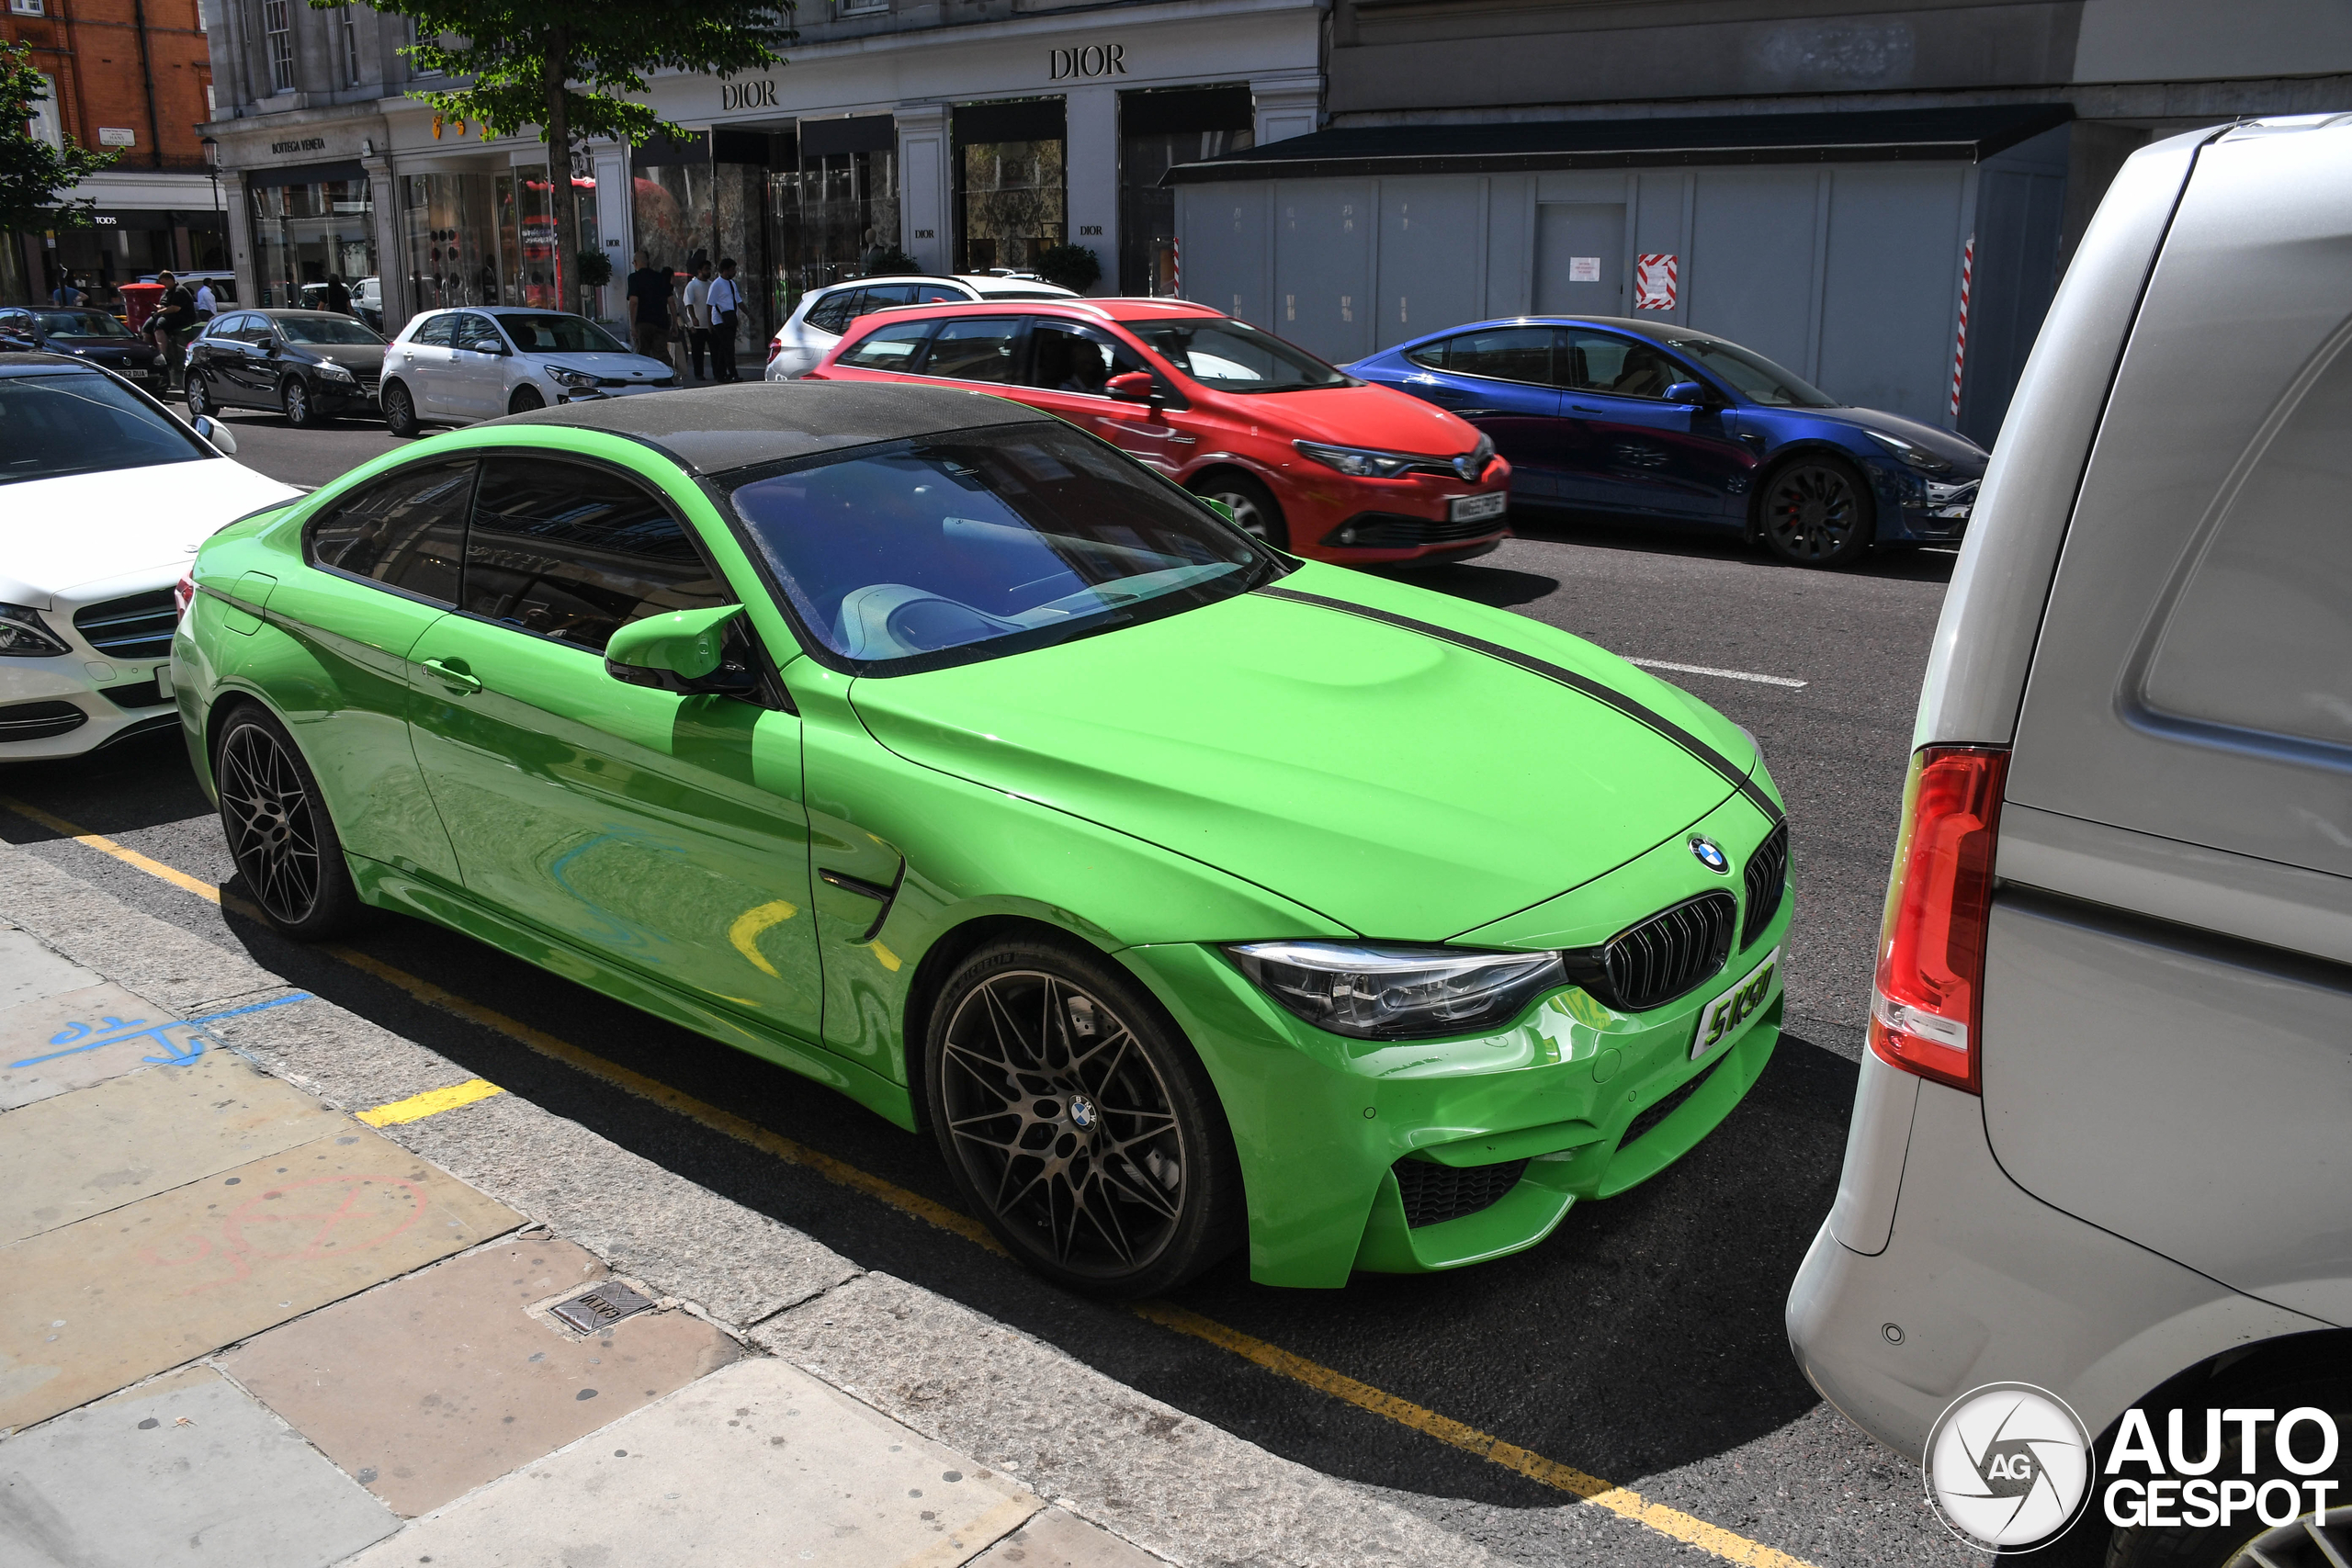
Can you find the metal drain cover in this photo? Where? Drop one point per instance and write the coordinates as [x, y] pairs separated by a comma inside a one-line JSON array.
[[602, 1307]]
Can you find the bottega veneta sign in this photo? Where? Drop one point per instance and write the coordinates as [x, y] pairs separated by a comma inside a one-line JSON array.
[[307, 145], [1091, 60]]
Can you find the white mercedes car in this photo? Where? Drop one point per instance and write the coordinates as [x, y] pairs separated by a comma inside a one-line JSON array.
[[459, 365], [104, 497], [823, 314]]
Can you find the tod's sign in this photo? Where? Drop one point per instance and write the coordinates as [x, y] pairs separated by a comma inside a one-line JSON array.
[[1088, 60]]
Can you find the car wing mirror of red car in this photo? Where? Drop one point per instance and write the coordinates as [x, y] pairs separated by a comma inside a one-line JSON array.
[[1132, 386]]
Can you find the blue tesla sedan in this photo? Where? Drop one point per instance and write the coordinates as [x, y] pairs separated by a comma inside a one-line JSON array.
[[1650, 420]]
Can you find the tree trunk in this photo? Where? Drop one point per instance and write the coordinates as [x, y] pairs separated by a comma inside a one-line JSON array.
[[565, 269]]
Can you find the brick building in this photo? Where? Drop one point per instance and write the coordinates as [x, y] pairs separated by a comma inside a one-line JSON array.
[[136, 76]]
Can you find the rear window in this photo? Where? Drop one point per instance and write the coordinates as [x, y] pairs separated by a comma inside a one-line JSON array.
[[912, 555], [82, 423]]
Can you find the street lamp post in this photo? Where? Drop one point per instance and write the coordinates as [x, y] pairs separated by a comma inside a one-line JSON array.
[[211, 145]]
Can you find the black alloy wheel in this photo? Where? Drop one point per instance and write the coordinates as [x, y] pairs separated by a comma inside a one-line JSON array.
[[199, 393], [1079, 1124], [279, 834], [399, 409], [525, 400], [1255, 510], [1817, 512], [301, 410]]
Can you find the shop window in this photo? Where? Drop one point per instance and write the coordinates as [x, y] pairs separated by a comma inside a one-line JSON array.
[[449, 224], [1159, 130], [306, 234], [1011, 195]]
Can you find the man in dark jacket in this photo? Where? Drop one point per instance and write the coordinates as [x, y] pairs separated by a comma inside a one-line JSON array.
[[649, 309], [338, 297], [173, 325]]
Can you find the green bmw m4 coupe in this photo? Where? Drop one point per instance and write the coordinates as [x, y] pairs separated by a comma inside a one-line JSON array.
[[1187, 894]]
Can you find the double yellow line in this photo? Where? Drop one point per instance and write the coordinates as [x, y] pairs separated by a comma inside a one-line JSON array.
[[1627, 1505]]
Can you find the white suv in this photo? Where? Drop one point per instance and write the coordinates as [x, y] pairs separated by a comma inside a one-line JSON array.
[[2102, 1142], [823, 314]]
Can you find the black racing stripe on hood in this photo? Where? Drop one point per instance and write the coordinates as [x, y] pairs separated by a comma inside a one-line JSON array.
[[1647, 717]]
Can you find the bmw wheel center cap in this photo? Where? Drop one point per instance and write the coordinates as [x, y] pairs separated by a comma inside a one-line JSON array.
[[1710, 854], [1082, 1113]]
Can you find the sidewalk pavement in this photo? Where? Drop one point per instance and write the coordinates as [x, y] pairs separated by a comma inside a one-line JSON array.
[[282, 1289]]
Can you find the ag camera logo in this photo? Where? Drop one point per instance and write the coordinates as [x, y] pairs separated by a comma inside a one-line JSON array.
[[2008, 1466]]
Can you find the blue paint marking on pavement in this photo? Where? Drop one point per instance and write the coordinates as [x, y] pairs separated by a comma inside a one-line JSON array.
[[79, 1037]]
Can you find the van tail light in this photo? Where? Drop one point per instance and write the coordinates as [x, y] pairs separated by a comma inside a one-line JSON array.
[[1926, 1009], [184, 593]]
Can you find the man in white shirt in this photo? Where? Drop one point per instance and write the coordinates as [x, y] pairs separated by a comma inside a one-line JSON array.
[[207, 307], [724, 302], [698, 304]]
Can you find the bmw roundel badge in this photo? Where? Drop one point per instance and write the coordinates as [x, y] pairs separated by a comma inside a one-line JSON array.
[[1710, 855]]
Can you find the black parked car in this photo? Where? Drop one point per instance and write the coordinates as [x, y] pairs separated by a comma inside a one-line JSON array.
[[85, 335], [308, 364]]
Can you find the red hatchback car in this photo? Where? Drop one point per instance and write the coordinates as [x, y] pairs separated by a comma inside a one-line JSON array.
[[1307, 458]]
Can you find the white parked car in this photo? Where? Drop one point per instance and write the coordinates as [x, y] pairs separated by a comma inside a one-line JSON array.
[[823, 314], [459, 365], [104, 497]]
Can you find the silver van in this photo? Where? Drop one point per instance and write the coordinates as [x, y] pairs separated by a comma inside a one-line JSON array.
[[2102, 1142]]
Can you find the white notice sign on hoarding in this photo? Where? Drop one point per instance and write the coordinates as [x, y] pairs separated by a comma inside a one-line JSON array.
[[1584, 269]]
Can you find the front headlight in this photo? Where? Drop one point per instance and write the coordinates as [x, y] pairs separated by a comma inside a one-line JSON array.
[[24, 634], [1357, 461], [1397, 993], [574, 378], [335, 373], [1920, 457]]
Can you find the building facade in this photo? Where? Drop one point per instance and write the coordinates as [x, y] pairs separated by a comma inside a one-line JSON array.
[[967, 143], [1880, 196], [135, 77]]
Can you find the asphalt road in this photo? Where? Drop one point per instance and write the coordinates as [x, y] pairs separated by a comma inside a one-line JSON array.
[[1642, 1343]]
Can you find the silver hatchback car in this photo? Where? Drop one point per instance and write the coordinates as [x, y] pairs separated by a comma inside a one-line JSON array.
[[2102, 1143]]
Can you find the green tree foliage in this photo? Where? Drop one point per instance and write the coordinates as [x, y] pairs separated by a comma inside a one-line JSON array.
[[32, 172], [1069, 266], [574, 68]]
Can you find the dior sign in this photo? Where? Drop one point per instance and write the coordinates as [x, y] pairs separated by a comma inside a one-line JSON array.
[[1091, 60], [746, 95]]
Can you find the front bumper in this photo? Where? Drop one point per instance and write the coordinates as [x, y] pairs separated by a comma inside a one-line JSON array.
[[39, 698], [1365, 522], [1577, 1091], [603, 394]]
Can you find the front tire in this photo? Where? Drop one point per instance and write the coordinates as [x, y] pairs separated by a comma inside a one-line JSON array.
[[280, 833], [1255, 510], [1077, 1120], [399, 409], [300, 408], [197, 391], [525, 400], [1817, 512]]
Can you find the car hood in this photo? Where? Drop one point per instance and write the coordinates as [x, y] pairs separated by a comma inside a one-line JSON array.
[[56, 534], [627, 366], [1958, 450], [1370, 416], [1408, 788]]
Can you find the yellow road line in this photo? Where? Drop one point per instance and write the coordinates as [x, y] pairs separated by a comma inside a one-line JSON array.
[[1627, 1505], [432, 1102]]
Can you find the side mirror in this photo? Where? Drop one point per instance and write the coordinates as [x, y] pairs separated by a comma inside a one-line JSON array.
[[1686, 392], [1132, 386], [270, 348], [679, 650], [486, 345], [212, 430]]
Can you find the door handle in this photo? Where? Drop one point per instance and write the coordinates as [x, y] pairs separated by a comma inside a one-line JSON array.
[[453, 676], [1586, 408]]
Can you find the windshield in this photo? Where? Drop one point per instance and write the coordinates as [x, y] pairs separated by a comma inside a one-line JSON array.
[[912, 555], [82, 423], [326, 330], [548, 333], [1233, 356], [1755, 376], [81, 324]]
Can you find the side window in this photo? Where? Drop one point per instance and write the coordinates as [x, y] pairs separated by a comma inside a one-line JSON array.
[[1431, 354], [1624, 367], [1506, 354], [882, 295], [1067, 358], [891, 347], [834, 313], [937, 293], [471, 329], [406, 531], [575, 552], [972, 348], [2260, 637], [435, 332]]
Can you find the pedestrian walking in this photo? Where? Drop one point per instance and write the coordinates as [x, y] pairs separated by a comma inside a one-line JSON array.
[[207, 305], [726, 304], [697, 302], [338, 297], [649, 309], [171, 326]]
